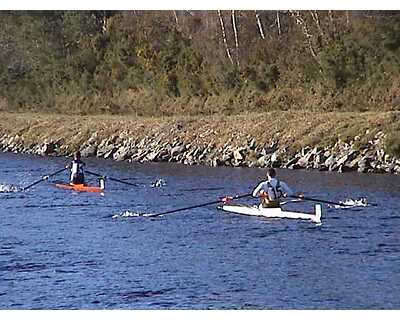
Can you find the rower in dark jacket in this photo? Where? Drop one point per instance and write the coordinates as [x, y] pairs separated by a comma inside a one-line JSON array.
[[77, 173]]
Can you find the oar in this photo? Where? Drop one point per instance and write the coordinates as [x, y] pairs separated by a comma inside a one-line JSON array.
[[44, 178], [289, 201], [319, 200], [198, 205], [112, 179]]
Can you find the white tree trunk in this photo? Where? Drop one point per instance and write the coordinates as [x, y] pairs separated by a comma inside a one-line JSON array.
[[104, 25], [333, 25], [314, 15], [260, 28], [228, 52], [176, 19], [300, 21], [278, 23], [236, 37]]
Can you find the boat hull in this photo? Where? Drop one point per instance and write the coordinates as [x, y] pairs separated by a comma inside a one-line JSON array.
[[79, 187], [273, 212]]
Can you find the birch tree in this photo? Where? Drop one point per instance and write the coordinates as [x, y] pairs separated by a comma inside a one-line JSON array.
[[236, 37], [176, 19], [333, 25], [228, 52], [347, 19], [260, 28], [302, 22], [278, 23], [315, 16]]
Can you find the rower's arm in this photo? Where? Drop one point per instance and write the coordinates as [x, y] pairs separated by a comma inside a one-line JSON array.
[[286, 190], [257, 189]]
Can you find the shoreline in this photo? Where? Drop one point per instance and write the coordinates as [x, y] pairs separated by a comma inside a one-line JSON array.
[[339, 142]]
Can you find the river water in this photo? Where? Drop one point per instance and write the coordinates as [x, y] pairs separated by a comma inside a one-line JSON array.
[[66, 250]]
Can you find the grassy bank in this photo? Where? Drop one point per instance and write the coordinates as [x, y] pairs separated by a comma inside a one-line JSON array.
[[292, 130]]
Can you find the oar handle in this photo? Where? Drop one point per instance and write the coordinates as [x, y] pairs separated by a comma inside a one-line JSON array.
[[44, 178]]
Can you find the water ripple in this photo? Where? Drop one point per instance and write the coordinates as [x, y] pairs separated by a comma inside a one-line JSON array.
[[27, 267], [144, 293]]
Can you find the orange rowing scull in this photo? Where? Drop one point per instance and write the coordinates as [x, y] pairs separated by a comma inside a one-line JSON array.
[[81, 187]]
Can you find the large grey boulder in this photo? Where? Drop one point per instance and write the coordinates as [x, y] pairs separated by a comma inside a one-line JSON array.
[[48, 148], [292, 163], [177, 150], [237, 155], [105, 149], [330, 161], [275, 159], [264, 161], [89, 151], [252, 144], [364, 165], [122, 153]]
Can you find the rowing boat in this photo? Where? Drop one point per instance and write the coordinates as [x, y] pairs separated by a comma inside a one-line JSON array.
[[81, 187], [273, 212]]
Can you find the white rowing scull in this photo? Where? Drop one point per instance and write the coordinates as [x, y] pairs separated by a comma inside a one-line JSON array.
[[273, 212]]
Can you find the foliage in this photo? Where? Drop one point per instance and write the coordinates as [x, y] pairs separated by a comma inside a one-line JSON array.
[[145, 62]]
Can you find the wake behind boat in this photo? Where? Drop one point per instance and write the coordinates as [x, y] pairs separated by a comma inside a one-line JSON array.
[[273, 212]]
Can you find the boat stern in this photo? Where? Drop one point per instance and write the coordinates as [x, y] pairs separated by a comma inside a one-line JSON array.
[[318, 213], [102, 183]]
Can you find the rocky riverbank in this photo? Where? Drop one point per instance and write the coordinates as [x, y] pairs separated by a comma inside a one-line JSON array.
[[227, 141]]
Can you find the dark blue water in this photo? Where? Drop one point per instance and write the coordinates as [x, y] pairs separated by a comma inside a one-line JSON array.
[[63, 250]]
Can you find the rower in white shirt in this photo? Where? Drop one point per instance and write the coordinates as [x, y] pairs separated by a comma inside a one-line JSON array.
[[272, 190]]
